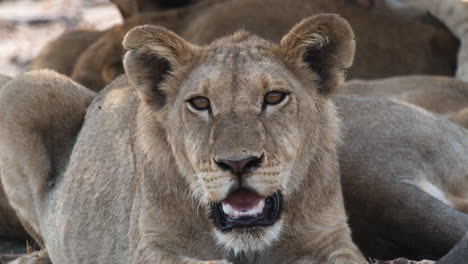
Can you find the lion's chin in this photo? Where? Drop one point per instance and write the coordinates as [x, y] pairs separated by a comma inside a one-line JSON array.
[[249, 240], [244, 209]]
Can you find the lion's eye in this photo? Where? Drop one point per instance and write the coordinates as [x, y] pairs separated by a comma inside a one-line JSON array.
[[200, 103], [274, 97]]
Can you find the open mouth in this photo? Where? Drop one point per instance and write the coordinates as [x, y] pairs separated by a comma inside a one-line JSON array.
[[244, 208]]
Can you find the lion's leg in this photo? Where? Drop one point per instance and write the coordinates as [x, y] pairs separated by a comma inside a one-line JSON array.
[[454, 14], [38, 257], [41, 113], [400, 218]]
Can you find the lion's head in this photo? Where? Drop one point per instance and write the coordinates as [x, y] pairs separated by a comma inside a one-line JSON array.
[[245, 118]]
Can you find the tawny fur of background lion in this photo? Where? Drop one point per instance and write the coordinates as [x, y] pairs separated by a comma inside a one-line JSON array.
[[439, 94], [62, 53]]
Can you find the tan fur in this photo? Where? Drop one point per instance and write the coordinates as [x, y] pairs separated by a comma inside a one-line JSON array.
[[62, 53], [143, 161], [427, 48], [30, 139], [101, 62], [439, 94]]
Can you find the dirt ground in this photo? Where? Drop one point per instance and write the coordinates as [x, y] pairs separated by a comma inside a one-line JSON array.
[[27, 25]]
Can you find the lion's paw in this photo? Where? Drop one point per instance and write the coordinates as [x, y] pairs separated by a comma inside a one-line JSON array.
[[39, 257]]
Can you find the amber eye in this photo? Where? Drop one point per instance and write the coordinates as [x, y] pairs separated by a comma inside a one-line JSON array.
[[274, 97], [200, 103]]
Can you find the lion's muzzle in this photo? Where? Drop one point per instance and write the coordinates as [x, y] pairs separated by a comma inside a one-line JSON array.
[[244, 208]]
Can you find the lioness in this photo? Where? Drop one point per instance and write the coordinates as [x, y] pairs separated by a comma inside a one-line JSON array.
[[176, 159], [189, 161]]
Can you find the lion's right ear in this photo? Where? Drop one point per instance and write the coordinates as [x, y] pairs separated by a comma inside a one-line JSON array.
[[153, 53]]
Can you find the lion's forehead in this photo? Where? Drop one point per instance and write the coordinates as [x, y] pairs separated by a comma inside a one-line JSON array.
[[239, 71]]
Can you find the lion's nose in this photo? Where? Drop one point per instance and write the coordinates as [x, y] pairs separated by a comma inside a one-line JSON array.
[[239, 166]]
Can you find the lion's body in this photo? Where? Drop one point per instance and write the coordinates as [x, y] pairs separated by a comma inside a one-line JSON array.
[[98, 228], [380, 35], [112, 199], [429, 49], [439, 94], [404, 170]]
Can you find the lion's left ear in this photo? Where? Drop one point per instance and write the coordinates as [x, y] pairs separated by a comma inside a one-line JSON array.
[[325, 43], [153, 54]]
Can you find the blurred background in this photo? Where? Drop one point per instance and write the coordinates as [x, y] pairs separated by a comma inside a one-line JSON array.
[[27, 25]]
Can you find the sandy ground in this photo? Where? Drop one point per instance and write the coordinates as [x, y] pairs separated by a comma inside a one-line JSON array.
[[27, 25]]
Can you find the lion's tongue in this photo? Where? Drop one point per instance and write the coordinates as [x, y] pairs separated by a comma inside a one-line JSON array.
[[243, 200]]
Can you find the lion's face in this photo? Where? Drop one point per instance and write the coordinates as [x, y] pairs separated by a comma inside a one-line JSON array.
[[243, 118], [240, 120]]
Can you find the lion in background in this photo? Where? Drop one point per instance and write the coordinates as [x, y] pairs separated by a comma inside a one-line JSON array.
[[101, 62], [439, 94], [424, 91], [429, 49]]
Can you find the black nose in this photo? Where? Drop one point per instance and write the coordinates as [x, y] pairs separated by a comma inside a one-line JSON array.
[[240, 166]]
